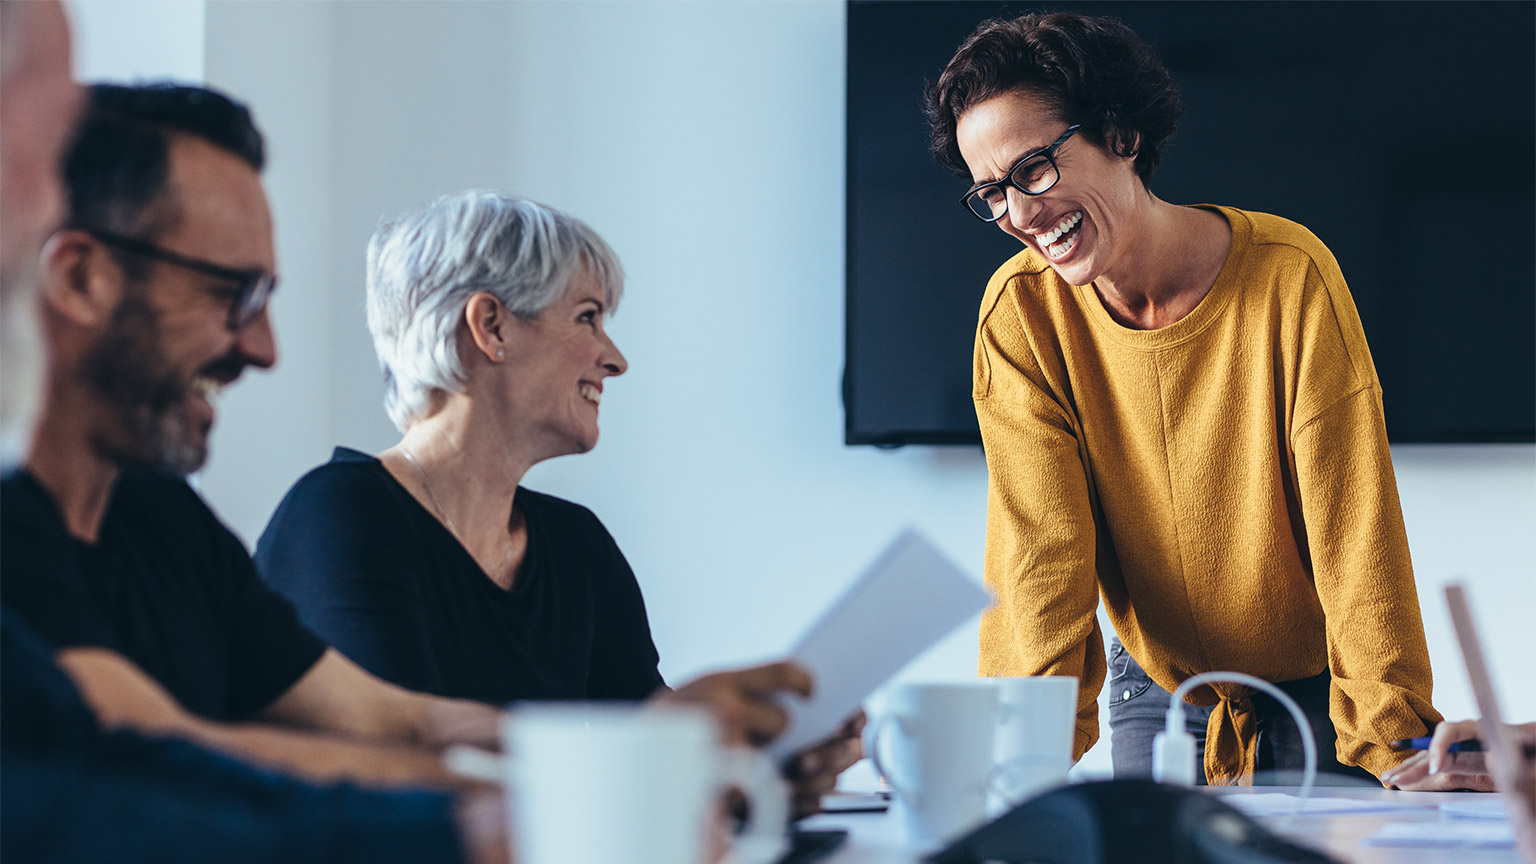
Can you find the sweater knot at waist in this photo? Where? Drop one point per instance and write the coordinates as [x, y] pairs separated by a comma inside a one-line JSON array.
[[1232, 737]]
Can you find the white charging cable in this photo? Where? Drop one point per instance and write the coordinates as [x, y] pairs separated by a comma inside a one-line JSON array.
[[1173, 751]]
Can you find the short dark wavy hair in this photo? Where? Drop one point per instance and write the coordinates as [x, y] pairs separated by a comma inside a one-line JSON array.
[[118, 166], [1090, 70]]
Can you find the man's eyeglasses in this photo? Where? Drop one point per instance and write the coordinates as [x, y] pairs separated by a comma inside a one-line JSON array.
[[1032, 175], [255, 287]]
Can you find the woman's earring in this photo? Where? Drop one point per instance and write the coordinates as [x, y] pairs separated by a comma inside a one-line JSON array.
[[500, 354]]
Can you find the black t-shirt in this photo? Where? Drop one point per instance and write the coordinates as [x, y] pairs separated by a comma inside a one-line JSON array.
[[382, 580], [166, 585]]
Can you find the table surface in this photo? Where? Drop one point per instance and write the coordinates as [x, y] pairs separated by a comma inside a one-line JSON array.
[[876, 838]]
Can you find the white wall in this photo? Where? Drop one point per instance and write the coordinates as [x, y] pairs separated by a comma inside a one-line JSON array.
[[273, 426], [403, 138], [124, 40], [704, 140], [1471, 516]]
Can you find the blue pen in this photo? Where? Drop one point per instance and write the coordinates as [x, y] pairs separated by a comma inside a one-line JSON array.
[[1471, 745]]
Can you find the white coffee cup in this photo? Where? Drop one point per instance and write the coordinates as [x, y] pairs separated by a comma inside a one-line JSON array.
[[933, 745], [598, 783], [1036, 725]]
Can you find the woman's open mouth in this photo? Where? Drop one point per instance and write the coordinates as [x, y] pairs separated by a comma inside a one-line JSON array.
[[1061, 240]]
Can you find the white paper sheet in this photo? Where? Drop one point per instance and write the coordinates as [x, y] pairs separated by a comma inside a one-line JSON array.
[[1457, 834], [1282, 804], [908, 599], [1494, 809]]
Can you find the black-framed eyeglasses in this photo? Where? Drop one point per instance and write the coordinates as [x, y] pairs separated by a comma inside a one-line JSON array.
[[255, 287], [1034, 174]]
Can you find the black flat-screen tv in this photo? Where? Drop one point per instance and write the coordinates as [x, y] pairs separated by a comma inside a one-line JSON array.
[[1402, 134]]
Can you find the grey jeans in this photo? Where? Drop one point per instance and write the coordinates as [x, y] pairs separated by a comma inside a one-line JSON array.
[[1138, 710]]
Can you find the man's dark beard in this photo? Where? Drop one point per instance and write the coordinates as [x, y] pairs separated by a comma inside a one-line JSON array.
[[148, 398]]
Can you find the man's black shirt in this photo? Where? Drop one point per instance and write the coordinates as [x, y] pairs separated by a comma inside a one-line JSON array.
[[166, 585]]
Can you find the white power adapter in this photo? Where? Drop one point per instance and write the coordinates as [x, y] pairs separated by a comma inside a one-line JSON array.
[[1173, 750], [1173, 755]]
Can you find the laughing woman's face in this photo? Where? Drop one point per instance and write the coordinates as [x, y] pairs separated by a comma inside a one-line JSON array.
[[1079, 225]]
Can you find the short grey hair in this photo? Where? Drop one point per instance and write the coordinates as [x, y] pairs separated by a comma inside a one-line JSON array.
[[424, 265]]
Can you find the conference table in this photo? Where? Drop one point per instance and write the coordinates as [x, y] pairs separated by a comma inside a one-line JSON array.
[[877, 838]]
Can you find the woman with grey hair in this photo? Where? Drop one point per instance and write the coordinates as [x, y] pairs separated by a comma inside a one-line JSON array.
[[430, 565]]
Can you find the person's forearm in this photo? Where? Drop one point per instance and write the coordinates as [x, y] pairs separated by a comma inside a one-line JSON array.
[[327, 759], [441, 722], [338, 696], [122, 696], [1377, 653], [1040, 557]]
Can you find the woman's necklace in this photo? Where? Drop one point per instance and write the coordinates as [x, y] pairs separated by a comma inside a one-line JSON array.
[[506, 560]]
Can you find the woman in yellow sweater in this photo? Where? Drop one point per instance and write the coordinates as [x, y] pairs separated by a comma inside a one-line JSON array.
[[1180, 415]]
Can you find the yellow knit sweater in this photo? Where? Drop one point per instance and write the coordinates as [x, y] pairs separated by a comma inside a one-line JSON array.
[[1224, 483]]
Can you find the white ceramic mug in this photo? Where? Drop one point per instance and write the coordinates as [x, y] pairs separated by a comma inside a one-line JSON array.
[[1036, 725], [933, 745], [598, 783]]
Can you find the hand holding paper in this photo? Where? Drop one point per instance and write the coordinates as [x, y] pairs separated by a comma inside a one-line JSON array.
[[909, 598]]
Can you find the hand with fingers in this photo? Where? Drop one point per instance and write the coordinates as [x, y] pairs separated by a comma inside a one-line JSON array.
[[814, 770], [746, 702], [1439, 769]]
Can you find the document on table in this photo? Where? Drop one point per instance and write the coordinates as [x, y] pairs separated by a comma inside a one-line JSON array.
[[908, 599], [1494, 809], [1458, 834], [1283, 804]]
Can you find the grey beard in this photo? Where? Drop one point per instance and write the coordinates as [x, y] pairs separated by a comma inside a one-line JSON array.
[[128, 370], [177, 449]]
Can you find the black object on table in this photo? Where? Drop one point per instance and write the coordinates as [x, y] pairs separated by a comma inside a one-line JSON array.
[[807, 846], [1126, 822]]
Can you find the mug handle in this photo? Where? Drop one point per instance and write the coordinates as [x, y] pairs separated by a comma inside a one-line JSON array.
[[1001, 775], [762, 840], [906, 794]]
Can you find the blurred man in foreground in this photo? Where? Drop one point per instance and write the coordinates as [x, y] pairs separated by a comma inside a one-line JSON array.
[[72, 791], [37, 111]]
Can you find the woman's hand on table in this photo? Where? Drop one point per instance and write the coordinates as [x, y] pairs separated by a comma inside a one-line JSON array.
[[1438, 769]]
